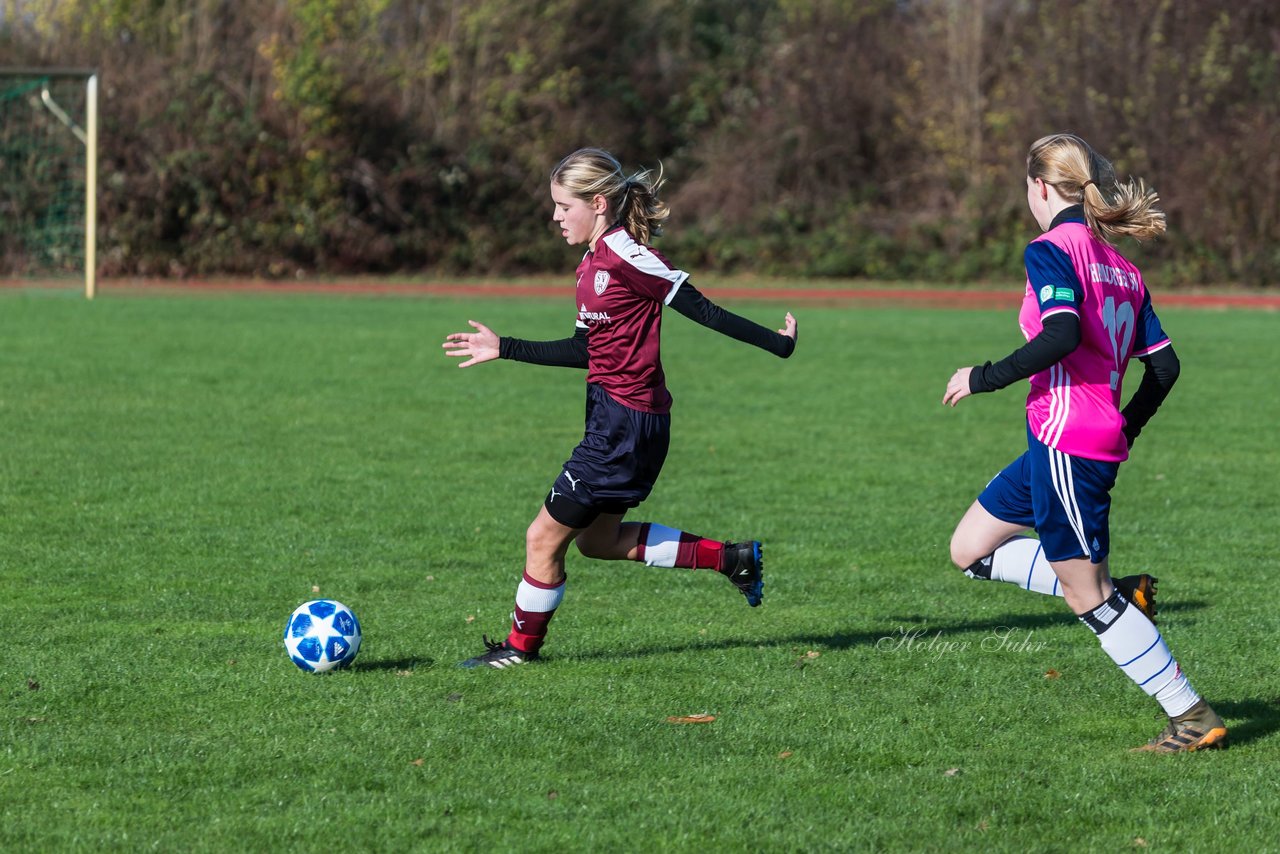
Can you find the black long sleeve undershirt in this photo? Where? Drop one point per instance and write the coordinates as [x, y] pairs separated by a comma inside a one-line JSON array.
[[1059, 337], [690, 302], [1160, 372], [562, 353]]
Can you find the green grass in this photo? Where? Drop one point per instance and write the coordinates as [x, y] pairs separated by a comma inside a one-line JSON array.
[[178, 474]]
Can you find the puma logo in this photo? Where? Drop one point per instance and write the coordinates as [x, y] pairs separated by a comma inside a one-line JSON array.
[[573, 482]]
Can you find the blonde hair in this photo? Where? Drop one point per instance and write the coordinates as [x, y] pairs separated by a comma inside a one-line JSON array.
[[1077, 172], [633, 200]]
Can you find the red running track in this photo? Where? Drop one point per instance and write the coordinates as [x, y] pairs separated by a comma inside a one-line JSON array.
[[935, 297]]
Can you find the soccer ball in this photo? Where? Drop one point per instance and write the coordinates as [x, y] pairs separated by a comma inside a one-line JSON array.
[[322, 635]]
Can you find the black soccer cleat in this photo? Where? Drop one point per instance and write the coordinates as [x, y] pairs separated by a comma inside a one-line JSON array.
[[499, 656], [744, 564], [1141, 591]]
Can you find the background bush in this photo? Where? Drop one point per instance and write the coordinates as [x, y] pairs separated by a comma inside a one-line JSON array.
[[801, 137]]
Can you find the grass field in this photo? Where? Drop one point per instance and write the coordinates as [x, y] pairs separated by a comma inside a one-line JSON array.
[[179, 473]]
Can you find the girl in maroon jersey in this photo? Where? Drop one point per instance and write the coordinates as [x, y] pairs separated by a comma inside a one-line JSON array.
[[622, 286]]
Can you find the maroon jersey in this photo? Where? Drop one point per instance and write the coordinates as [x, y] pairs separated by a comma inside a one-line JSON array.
[[622, 287]]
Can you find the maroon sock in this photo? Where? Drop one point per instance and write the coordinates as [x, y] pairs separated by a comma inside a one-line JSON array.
[[663, 546], [700, 553], [536, 604]]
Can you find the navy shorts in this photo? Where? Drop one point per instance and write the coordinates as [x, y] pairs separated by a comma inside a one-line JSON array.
[[1066, 499], [615, 465]]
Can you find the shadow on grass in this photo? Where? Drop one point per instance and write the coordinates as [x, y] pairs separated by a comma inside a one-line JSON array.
[[1259, 718], [893, 630], [1164, 609], [396, 664], [898, 627]]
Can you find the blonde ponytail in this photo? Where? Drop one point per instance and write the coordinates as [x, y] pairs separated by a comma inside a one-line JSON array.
[[1111, 209]]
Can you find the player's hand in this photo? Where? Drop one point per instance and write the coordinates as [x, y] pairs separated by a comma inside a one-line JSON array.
[[957, 387], [479, 346], [789, 328]]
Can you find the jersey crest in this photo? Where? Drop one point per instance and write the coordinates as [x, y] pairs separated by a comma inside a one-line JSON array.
[[602, 281]]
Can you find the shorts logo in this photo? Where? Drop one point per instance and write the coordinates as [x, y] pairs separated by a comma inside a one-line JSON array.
[[1046, 293], [602, 281]]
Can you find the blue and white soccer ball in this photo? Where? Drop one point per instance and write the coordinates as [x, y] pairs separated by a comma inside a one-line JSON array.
[[322, 635]]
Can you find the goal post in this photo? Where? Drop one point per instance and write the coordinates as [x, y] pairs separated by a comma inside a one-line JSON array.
[[49, 173]]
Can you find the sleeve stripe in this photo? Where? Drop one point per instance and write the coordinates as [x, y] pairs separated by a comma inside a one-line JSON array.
[[1060, 309], [638, 256], [684, 277], [1153, 348]]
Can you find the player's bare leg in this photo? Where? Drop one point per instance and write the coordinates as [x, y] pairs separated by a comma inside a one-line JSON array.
[[978, 535], [546, 542], [538, 595], [609, 538], [1085, 585]]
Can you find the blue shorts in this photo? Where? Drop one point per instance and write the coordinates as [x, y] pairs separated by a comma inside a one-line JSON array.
[[1066, 499], [615, 465]]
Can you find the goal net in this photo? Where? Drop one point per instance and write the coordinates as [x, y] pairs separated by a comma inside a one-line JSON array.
[[48, 175]]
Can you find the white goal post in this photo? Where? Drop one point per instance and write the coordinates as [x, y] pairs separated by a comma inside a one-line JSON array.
[[30, 105]]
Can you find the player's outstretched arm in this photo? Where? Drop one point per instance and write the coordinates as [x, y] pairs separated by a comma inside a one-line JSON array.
[[485, 345], [690, 302], [477, 347], [1059, 337]]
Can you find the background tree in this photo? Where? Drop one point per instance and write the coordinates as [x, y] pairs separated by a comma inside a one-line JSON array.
[[871, 138]]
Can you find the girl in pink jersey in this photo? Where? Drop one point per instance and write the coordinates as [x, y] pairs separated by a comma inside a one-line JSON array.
[[622, 286], [1086, 312]]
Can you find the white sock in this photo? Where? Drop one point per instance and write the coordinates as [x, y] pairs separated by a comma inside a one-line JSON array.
[[661, 545], [538, 597], [1021, 561], [1134, 643]]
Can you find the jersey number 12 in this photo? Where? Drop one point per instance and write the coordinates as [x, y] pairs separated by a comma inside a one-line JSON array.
[[1119, 321]]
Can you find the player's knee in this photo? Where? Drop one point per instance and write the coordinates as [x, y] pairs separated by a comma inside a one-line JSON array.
[[602, 543], [962, 553], [591, 546], [539, 541]]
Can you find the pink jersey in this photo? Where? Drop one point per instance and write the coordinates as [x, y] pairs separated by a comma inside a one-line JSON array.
[[622, 287], [1074, 405]]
